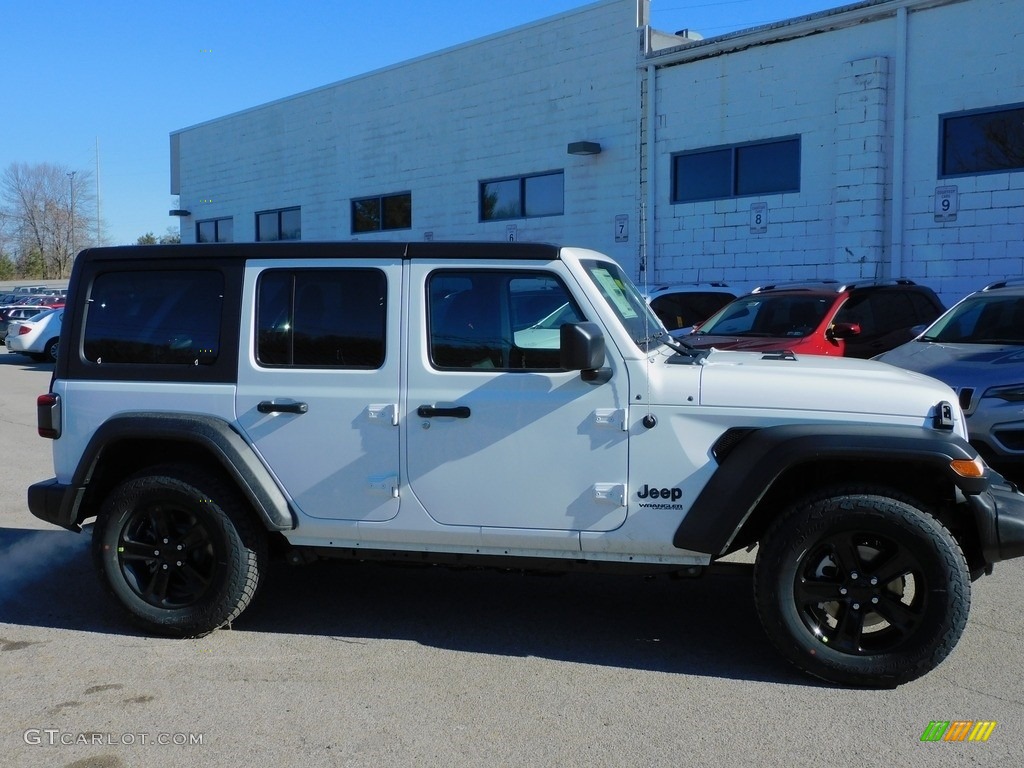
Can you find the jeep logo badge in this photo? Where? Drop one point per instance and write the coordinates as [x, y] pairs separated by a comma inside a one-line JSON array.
[[673, 494]]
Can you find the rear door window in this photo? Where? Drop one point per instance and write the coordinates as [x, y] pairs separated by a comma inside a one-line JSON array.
[[322, 318]]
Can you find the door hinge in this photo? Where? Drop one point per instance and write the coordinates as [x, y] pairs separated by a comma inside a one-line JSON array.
[[383, 412], [612, 492], [384, 484], [611, 417]]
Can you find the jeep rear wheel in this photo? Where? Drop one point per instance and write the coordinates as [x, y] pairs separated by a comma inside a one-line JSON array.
[[176, 547], [862, 587]]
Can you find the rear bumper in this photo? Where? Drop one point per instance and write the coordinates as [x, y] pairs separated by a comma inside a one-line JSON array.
[[999, 516], [55, 503]]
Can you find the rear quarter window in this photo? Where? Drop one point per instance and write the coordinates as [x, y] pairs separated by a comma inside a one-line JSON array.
[[159, 317]]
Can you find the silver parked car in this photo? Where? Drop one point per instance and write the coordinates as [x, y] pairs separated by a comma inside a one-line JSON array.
[[12, 313], [977, 347], [681, 306]]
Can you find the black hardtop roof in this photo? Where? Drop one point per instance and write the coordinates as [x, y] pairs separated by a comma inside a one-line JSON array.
[[298, 249]]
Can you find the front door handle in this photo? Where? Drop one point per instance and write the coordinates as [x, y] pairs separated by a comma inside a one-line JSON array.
[[270, 407], [429, 411]]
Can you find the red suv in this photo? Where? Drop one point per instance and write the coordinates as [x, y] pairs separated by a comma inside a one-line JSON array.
[[827, 318]]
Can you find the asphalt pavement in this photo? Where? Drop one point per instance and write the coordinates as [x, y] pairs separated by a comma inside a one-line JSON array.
[[347, 664]]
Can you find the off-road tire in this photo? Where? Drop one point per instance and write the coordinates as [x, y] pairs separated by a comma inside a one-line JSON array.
[[177, 547], [862, 586]]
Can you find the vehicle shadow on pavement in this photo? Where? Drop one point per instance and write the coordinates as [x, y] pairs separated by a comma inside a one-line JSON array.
[[707, 626], [23, 361], [47, 580]]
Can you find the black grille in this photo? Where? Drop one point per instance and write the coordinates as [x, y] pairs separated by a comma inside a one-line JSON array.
[[966, 395], [1013, 439]]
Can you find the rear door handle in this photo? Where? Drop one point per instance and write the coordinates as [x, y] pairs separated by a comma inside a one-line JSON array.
[[456, 412], [269, 407]]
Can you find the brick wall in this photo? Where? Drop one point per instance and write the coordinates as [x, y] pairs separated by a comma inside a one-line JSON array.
[[506, 105], [509, 104], [836, 90]]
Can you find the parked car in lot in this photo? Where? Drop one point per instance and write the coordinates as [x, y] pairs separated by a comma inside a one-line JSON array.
[[43, 300], [859, 320], [977, 347], [16, 312], [681, 306], [37, 336], [29, 289]]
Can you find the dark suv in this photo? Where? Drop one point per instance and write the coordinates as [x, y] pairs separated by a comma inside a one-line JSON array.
[[825, 318]]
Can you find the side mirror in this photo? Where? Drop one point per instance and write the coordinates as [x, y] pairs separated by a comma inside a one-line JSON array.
[[581, 346], [844, 330]]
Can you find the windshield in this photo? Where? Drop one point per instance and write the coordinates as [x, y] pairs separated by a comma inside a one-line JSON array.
[[981, 319], [626, 302], [783, 315]]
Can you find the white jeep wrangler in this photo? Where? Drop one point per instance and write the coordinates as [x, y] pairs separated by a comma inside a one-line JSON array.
[[512, 404]]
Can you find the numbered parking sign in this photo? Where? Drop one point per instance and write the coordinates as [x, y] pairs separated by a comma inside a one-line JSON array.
[[947, 201], [511, 233], [758, 218], [622, 228]]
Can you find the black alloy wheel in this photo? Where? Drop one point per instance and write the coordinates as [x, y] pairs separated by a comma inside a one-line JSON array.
[[179, 549], [862, 586]]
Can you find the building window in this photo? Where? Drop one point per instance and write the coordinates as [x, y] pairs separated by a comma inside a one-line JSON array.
[[215, 230], [283, 224], [523, 197], [321, 318], [983, 141], [739, 170], [376, 214]]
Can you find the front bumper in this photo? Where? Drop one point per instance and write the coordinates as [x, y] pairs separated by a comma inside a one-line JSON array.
[[999, 516]]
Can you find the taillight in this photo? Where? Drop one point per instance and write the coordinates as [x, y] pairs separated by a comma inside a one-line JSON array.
[[48, 415], [23, 330]]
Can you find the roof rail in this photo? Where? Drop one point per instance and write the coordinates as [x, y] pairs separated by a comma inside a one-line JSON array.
[[805, 285], [1004, 283], [866, 283], [709, 283], [797, 285]]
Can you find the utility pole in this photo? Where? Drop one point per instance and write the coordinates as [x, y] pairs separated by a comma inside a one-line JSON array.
[[98, 239], [71, 177]]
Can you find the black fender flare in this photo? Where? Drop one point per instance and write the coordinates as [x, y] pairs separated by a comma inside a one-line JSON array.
[[234, 455], [751, 460]]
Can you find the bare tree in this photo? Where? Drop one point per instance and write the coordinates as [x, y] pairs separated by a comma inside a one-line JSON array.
[[46, 210]]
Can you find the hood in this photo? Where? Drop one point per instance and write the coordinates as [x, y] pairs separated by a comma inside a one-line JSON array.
[[961, 365], [838, 388]]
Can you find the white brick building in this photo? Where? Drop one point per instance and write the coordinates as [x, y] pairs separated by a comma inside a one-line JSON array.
[[842, 144]]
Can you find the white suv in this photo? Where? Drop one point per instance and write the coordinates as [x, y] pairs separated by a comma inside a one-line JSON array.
[[508, 404]]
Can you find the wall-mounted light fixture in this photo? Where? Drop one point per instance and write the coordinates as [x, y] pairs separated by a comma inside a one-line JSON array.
[[584, 148], [179, 212]]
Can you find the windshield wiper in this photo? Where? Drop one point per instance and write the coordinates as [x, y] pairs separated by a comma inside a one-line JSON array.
[[672, 343]]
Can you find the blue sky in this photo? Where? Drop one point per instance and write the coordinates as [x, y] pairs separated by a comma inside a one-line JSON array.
[[121, 75]]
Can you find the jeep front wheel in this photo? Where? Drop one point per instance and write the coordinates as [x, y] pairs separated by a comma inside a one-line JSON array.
[[862, 587], [177, 549]]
